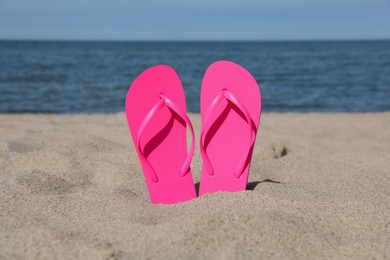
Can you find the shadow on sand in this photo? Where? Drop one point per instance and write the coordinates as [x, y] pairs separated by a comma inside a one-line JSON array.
[[250, 186]]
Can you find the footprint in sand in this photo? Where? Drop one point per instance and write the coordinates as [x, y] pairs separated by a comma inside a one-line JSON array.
[[279, 150], [40, 182]]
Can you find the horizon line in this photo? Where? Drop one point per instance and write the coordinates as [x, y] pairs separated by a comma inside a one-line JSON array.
[[197, 40]]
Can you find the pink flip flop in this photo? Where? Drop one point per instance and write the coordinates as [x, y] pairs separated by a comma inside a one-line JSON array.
[[230, 108], [156, 114]]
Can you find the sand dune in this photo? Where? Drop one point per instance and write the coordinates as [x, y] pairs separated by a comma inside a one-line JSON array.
[[319, 187]]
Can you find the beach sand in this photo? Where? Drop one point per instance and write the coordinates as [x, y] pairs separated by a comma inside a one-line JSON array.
[[71, 187]]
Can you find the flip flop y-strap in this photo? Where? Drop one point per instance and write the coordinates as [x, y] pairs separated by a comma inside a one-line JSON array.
[[225, 94], [164, 101]]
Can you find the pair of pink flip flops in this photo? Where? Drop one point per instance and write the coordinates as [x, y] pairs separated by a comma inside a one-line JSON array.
[[156, 114]]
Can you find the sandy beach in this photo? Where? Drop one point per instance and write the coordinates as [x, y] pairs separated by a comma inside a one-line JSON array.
[[71, 187]]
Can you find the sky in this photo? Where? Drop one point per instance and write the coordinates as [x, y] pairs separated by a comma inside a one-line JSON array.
[[185, 20]]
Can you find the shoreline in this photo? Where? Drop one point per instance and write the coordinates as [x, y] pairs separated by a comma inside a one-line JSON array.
[[193, 113]]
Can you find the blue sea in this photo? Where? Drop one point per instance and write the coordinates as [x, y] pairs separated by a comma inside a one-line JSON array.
[[93, 77]]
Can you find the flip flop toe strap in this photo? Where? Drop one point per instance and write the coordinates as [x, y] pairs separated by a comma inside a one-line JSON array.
[[164, 101], [226, 95]]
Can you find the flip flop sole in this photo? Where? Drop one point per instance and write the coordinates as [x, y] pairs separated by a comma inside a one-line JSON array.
[[163, 140], [226, 141]]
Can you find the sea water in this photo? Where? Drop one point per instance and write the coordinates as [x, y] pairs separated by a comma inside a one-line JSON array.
[[93, 77]]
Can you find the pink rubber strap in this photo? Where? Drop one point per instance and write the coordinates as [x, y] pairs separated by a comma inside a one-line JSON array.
[[225, 94], [176, 108]]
